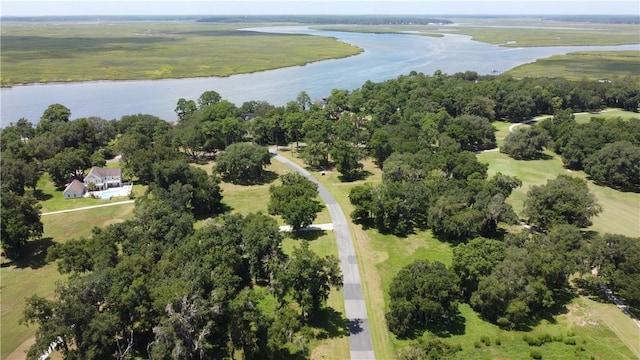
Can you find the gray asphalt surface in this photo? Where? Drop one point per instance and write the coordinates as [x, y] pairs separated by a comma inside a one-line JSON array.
[[360, 343]]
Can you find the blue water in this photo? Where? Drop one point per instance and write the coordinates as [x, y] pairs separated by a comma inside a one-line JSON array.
[[385, 56]]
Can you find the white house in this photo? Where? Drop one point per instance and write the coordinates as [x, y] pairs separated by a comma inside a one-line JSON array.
[[104, 178], [74, 190]]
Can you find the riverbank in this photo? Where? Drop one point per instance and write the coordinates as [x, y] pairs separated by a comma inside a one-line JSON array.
[[51, 53], [593, 65]]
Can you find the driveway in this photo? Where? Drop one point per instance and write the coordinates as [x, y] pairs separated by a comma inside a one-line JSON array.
[[360, 343]]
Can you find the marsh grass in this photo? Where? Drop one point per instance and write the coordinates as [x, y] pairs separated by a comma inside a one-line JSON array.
[[594, 65], [516, 32], [47, 52]]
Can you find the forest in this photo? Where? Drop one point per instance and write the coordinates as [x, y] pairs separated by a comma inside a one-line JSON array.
[[156, 286]]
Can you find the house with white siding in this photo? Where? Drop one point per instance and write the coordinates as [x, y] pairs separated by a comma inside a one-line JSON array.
[[74, 190], [103, 178]]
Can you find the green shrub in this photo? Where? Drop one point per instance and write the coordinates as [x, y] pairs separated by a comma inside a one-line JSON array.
[[535, 354], [532, 341], [498, 342], [485, 340], [570, 341]]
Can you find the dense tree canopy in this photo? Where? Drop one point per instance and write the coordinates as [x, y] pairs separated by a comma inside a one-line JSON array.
[[295, 200], [617, 164], [525, 143], [20, 222], [563, 200], [243, 163], [421, 295]]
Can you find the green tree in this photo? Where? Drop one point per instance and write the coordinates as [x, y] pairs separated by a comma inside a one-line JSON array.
[[422, 295], [17, 174], [563, 200], [208, 98], [616, 164], [20, 222], [67, 164], [295, 200], [243, 163], [261, 241], [184, 108], [379, 146], [475, 260], [430, 348], [526, 143], [309, 279], [474, 133], [347, 159]]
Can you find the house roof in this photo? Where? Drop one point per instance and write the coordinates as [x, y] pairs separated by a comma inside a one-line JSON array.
[[75, 185], [104, 172]]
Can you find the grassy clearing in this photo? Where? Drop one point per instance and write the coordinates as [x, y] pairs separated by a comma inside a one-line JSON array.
[[247, 199], [591, 65], [33, 275], [51, 199], [621, 210], [47, 52], [583, 118]]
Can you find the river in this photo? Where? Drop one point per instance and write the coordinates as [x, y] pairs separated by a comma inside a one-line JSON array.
[[385, 56]]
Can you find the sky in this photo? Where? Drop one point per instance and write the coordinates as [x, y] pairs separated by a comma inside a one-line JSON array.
[[316, 7]]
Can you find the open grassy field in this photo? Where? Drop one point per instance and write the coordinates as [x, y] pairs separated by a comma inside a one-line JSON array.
[[621, 210], [62, 52], [33, 275], [589, 64]]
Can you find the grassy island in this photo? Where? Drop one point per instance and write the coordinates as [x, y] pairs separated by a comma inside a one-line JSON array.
[[49, 52]]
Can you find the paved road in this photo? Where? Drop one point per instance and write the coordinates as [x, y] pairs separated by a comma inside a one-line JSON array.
[[360, 343], [89, 207]]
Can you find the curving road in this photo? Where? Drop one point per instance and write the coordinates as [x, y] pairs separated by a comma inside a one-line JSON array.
[[360, 343]]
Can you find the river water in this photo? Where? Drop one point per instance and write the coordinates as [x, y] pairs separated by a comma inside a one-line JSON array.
[[385, 56]]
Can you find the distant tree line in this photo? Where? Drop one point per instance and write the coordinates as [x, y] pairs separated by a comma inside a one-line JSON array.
[[330, 19]]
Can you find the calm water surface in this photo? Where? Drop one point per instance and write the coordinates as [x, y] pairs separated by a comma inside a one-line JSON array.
[[385, 56]]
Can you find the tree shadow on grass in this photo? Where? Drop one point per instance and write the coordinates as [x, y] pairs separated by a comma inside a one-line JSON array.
[[562, 298], [455, 325], [41, 196], [359, 175], [308, 235], [267, 177], [621, 188], [35, 254], [331, 323]]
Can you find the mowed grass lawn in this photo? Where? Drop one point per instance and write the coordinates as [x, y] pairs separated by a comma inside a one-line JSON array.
[[34, 276], [48, 52], [592, 65], [621, 210], [583, 118]]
